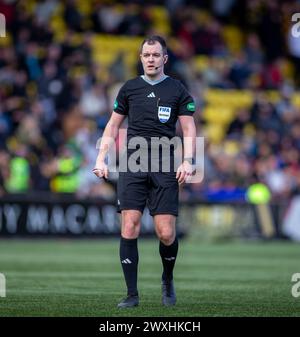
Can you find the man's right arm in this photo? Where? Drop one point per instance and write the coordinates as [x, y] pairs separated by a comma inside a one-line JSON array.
[[109, 135]]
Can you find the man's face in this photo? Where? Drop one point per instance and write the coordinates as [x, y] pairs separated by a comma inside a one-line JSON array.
[[152, 56]]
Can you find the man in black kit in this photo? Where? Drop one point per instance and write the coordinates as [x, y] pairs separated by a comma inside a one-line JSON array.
[[153, 103]]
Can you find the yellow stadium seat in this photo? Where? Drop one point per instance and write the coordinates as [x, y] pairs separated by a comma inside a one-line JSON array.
[[214, 132], [202, 16], [231, 147], [106, 48], [201, 62], [287, 68], [29, 6], [296, 100], [85, 7], [6, 41], [218, 114], [230, 98], [160, 19], [273, 95], [233, 38], [105, 59]]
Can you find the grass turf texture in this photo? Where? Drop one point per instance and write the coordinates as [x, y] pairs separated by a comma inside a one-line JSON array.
[[83, 278]]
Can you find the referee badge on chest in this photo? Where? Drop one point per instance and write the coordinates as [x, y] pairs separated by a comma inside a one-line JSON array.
[[164, 113]]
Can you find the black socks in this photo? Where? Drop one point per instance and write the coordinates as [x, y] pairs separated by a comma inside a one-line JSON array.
[[129, 259], [168, 257]]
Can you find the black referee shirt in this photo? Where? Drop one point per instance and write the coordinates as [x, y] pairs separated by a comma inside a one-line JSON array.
[[153, 110]]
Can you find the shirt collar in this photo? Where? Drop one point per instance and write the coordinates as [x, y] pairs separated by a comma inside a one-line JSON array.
[[155, 81]]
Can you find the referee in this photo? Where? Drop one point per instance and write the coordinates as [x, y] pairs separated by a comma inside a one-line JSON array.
[[153, 103]]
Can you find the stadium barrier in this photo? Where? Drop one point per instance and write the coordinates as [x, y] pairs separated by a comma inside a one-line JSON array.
[[60, 215]]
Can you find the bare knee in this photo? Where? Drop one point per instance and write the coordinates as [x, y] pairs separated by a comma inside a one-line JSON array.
[[130, 224], [166, 235], [130, 230], [165, 228]]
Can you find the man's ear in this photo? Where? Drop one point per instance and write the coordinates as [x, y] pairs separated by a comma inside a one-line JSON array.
[[165, 59]]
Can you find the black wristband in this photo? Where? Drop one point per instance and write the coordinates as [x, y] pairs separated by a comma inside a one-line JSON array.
[[190, 160]]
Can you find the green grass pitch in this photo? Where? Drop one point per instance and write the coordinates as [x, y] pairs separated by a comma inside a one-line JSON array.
[[83, 278]]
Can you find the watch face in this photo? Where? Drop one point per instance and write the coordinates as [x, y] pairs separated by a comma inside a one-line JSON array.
[[190, 160]]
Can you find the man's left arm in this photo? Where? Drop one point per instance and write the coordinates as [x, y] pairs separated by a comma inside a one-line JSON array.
[[188, 126]]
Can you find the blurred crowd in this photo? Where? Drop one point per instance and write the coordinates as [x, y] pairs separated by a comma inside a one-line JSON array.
[[54, 107]]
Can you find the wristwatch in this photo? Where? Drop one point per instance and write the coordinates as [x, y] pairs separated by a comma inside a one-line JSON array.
[[189, 160]]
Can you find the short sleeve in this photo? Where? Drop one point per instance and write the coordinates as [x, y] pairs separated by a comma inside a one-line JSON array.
[[186, 103], [121, 102]]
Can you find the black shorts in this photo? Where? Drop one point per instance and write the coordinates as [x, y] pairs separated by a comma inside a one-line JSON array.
[[157, 190]]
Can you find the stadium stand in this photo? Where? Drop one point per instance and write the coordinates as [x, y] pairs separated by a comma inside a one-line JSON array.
[[62, 63]]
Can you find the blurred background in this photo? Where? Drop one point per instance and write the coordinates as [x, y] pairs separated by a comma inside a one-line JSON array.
[[61, 66]]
